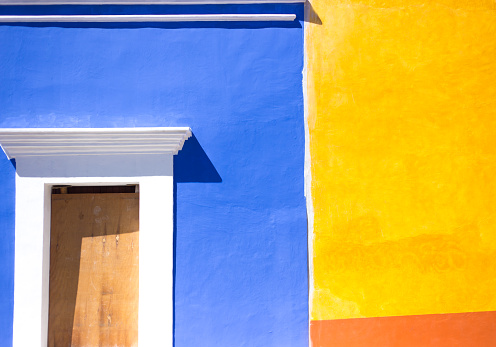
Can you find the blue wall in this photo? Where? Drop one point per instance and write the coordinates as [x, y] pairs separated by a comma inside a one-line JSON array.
[[240, 217]]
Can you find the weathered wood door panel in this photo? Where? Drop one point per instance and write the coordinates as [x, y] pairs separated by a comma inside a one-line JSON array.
[[94, 269]]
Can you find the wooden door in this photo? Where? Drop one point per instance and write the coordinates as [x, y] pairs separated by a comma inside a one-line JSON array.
[[94, 259]]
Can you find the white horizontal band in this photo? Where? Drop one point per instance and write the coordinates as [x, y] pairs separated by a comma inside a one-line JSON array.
[[90, 141], [150, 18], [143, 2]]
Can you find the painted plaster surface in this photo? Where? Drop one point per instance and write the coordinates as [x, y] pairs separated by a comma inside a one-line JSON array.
[[240, 217], [7, 221], [401, 117], [432, 330]]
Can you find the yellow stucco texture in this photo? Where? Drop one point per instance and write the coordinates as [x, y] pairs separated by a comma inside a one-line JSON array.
[[402, 124]]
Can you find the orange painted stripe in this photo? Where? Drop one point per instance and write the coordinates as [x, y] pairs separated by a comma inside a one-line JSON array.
[[476, 329]]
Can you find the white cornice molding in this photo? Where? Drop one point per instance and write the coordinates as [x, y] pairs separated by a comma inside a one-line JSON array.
[[18, 142], [143, 2], [149, 18]]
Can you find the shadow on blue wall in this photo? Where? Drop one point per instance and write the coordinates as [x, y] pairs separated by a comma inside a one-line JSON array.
[[191, 165]]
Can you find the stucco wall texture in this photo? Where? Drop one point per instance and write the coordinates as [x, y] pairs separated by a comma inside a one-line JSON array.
[[240, 275], [402, 124]]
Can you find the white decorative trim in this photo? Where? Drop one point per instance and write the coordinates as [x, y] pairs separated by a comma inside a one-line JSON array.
[[142, 2], [150, 18], [92, 141]]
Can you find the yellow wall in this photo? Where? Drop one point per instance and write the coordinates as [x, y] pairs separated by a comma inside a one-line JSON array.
[[402, 121]]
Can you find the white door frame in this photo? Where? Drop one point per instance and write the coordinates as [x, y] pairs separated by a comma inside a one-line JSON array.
[[48, 157]]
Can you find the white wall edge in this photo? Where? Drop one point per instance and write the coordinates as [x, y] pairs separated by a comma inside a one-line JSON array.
[[308, 177], [150, 18]]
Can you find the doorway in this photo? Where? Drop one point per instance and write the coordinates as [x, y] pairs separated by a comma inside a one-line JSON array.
[[94, 266]]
